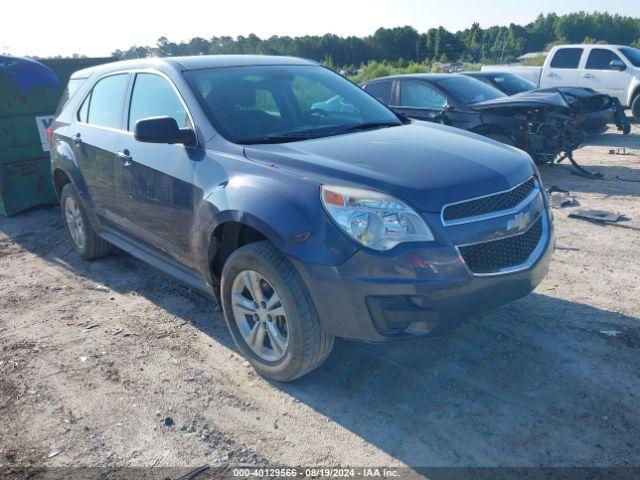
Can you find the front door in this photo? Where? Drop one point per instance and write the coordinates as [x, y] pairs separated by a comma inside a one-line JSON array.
[[600, 76], [155, 181], [421, 101]]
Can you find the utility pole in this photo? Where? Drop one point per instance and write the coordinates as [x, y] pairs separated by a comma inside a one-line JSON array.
[[504, 44], [418, 51]]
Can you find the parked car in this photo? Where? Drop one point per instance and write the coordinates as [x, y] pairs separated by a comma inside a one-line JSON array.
[[544, 123], [591, 110], [610, 69], [507, 83], [305, 225]]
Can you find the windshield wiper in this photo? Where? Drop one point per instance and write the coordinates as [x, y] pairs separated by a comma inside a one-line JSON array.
[[296, 137], [280, 138], [365, 126]]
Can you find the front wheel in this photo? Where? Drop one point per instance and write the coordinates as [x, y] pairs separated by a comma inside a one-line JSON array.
[[635, 108], [270, 313]]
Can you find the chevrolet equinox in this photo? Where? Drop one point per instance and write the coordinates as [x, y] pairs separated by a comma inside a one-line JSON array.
[[304, 206]]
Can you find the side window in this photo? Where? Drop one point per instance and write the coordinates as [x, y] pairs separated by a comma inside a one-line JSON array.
[[421, 95], [153, 96], [567, 58], [84, 110], [103, 106], [381, 90], [312, 95], [599, 59], [266, 102]]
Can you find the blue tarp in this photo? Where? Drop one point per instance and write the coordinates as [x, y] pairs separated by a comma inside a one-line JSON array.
[[26, 74]]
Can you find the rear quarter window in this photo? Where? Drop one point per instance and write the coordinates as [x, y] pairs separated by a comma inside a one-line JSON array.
[[567, 58], [72, 87]]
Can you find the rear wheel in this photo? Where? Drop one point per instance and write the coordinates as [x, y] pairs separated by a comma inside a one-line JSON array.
[[635, 108], [78, 227], [270, 313]]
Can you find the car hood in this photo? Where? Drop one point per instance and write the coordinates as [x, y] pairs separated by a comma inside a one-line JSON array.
[[426, 164], [559, 97]]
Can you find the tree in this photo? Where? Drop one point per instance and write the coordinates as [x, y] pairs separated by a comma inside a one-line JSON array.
[[396, 47]]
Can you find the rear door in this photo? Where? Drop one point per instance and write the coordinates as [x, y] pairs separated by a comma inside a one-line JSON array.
[[563, 70], [155, 181], [93, 139], [598, 74], [420, 100]]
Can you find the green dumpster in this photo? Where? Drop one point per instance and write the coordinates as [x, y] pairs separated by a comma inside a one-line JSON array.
[[29, 94]]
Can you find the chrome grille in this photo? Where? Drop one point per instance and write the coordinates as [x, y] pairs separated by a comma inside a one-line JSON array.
[[493, 256], [489, 204]]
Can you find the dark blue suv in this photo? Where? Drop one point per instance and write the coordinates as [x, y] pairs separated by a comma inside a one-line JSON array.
[[306, 207]]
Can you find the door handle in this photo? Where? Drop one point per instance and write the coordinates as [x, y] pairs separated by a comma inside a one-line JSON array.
[[587, 75], [125, 157], [77, 139], [551, 74]]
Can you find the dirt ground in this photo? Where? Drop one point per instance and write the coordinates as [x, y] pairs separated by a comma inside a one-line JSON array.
[[109, 363]]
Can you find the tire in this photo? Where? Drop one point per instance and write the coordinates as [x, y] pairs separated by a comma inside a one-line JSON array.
[[308, 346], [500, 137], [635, 108], [92, 246]]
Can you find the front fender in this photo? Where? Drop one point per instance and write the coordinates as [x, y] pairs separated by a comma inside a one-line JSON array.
[[634, 89], [285, 209]]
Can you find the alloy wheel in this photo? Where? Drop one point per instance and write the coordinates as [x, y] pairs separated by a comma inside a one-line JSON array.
[[75, 223], [260, 315]]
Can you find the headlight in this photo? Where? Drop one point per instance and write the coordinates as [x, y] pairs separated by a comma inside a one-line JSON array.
[[376, 220]]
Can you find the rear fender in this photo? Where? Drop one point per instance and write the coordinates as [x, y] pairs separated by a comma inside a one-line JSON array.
[[63, 158]]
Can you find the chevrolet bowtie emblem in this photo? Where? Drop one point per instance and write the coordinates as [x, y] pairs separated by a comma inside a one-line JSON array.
[[519, 222]]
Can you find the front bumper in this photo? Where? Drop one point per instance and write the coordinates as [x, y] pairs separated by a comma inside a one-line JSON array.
[[597, 120], [413, 290]]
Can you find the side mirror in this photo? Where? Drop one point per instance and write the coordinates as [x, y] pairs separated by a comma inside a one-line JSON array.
[[162, 130], [617, 65]]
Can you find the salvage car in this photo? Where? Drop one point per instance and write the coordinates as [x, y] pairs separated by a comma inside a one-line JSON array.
[[593, 111], [304, 224], [546, 123], [507, 83], [609, 69]]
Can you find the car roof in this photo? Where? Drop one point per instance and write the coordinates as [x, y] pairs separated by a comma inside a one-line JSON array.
[[594, 45], [195, 62], [414, 76], [484, 74]]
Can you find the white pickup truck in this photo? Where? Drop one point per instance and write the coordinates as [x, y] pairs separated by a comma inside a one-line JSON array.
[[610, 69]]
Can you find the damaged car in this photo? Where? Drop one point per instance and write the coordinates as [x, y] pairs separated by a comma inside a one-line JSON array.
[[593, 110], [303, 224], [546, 123]]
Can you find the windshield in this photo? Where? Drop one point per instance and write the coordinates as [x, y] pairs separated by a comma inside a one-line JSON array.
[[512, 84], [469, 90], [273, 104], [632, 54]]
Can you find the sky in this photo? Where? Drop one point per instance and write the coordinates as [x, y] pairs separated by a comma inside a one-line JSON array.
[[97, 28]]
